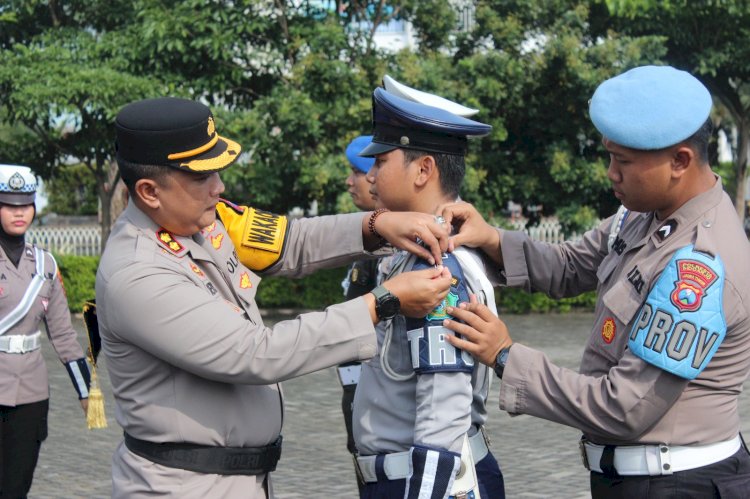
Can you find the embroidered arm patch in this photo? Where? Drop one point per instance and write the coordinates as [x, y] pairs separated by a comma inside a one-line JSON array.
[[430, 351], [258, 235], [681, 324]]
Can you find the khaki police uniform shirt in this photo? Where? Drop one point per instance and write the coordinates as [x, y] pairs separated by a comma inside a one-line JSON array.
[[23, 377], [189, 357], [618, 397]]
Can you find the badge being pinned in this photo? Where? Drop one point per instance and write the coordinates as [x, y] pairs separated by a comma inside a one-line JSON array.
[[609, 328], [439, 313], [694, 278], [168, 241]]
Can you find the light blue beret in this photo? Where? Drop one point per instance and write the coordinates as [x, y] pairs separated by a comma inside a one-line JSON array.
[[353, 150], [650, 107]]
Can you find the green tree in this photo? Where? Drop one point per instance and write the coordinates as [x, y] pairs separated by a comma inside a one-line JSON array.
[[531, 67], [708, 38], [71, 191], [61, 85]]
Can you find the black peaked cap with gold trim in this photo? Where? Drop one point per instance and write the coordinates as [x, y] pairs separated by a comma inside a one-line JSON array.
[[400, 123], [174, 132]]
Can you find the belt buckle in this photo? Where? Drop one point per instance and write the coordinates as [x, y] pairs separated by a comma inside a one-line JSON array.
[[584, 456], [15, 344]]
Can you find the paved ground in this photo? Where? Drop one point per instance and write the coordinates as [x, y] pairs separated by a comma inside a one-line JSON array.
[[539, 459]]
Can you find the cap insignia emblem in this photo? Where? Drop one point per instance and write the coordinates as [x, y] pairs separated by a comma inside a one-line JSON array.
[[16, 182], [169, 242], [245, 281], [211, 127], [404, 140]]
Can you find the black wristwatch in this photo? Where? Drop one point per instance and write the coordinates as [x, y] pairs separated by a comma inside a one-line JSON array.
[[386, 304], [500, 361]]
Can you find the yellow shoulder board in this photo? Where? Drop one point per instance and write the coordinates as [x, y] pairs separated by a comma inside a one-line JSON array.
[[258, 235]]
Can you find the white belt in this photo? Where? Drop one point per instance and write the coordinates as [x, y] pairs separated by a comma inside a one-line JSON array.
[[396, 465], [349, 375], [631, 460], [20, 343]]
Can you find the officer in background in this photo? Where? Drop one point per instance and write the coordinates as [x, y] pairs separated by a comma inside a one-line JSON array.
[[362, 275], [193, 369], [657, 393], [419, 409], [31, 294]]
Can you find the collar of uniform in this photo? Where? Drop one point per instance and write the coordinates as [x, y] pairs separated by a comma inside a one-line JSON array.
[[635, 230], [688, 214], [148, 226], [199, 247]]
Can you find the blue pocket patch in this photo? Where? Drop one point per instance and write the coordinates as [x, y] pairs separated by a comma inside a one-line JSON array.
[[430, 352], [681, 324]]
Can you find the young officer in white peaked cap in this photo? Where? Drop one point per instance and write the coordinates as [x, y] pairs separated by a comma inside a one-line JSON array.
[[419, 409]]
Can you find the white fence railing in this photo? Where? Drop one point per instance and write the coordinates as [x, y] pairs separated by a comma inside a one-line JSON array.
[[86, 239], [547, 230], [67, 240]]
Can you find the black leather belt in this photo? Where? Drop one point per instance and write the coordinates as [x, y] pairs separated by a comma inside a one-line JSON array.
[[208, 459]]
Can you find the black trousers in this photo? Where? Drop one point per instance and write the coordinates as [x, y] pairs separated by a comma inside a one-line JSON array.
[[23, 428], [727, 479]]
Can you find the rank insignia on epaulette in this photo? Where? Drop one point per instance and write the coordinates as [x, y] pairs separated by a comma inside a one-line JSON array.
[[217, 240], [196, 270], [168, 241], [245, 281]]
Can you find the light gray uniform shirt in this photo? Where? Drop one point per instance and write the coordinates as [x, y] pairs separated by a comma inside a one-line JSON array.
[[431, 409], [619, 398], [189, 357]]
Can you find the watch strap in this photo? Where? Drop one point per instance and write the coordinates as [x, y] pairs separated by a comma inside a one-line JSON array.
[[500, 361]]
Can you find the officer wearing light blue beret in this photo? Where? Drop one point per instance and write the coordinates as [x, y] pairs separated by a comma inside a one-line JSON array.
[[656, 396]]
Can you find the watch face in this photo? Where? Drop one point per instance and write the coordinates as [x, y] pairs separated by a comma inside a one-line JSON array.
[[389, 307]]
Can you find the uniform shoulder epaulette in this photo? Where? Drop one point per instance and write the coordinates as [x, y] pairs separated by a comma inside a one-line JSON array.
[[167, 241]]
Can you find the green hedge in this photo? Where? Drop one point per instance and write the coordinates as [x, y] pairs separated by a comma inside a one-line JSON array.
[[314, 292], [79, 275]]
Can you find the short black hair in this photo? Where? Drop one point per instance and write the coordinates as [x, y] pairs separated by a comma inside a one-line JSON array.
[[133, 172], [452, 168], [700, 140]]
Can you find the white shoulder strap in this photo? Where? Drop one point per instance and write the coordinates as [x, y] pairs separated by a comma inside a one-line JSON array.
[[614, 229], [37, 281], [476, 279]]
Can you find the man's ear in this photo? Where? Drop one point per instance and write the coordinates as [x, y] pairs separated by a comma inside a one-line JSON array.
[[682, 157], [147, 192], [427, 169]]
